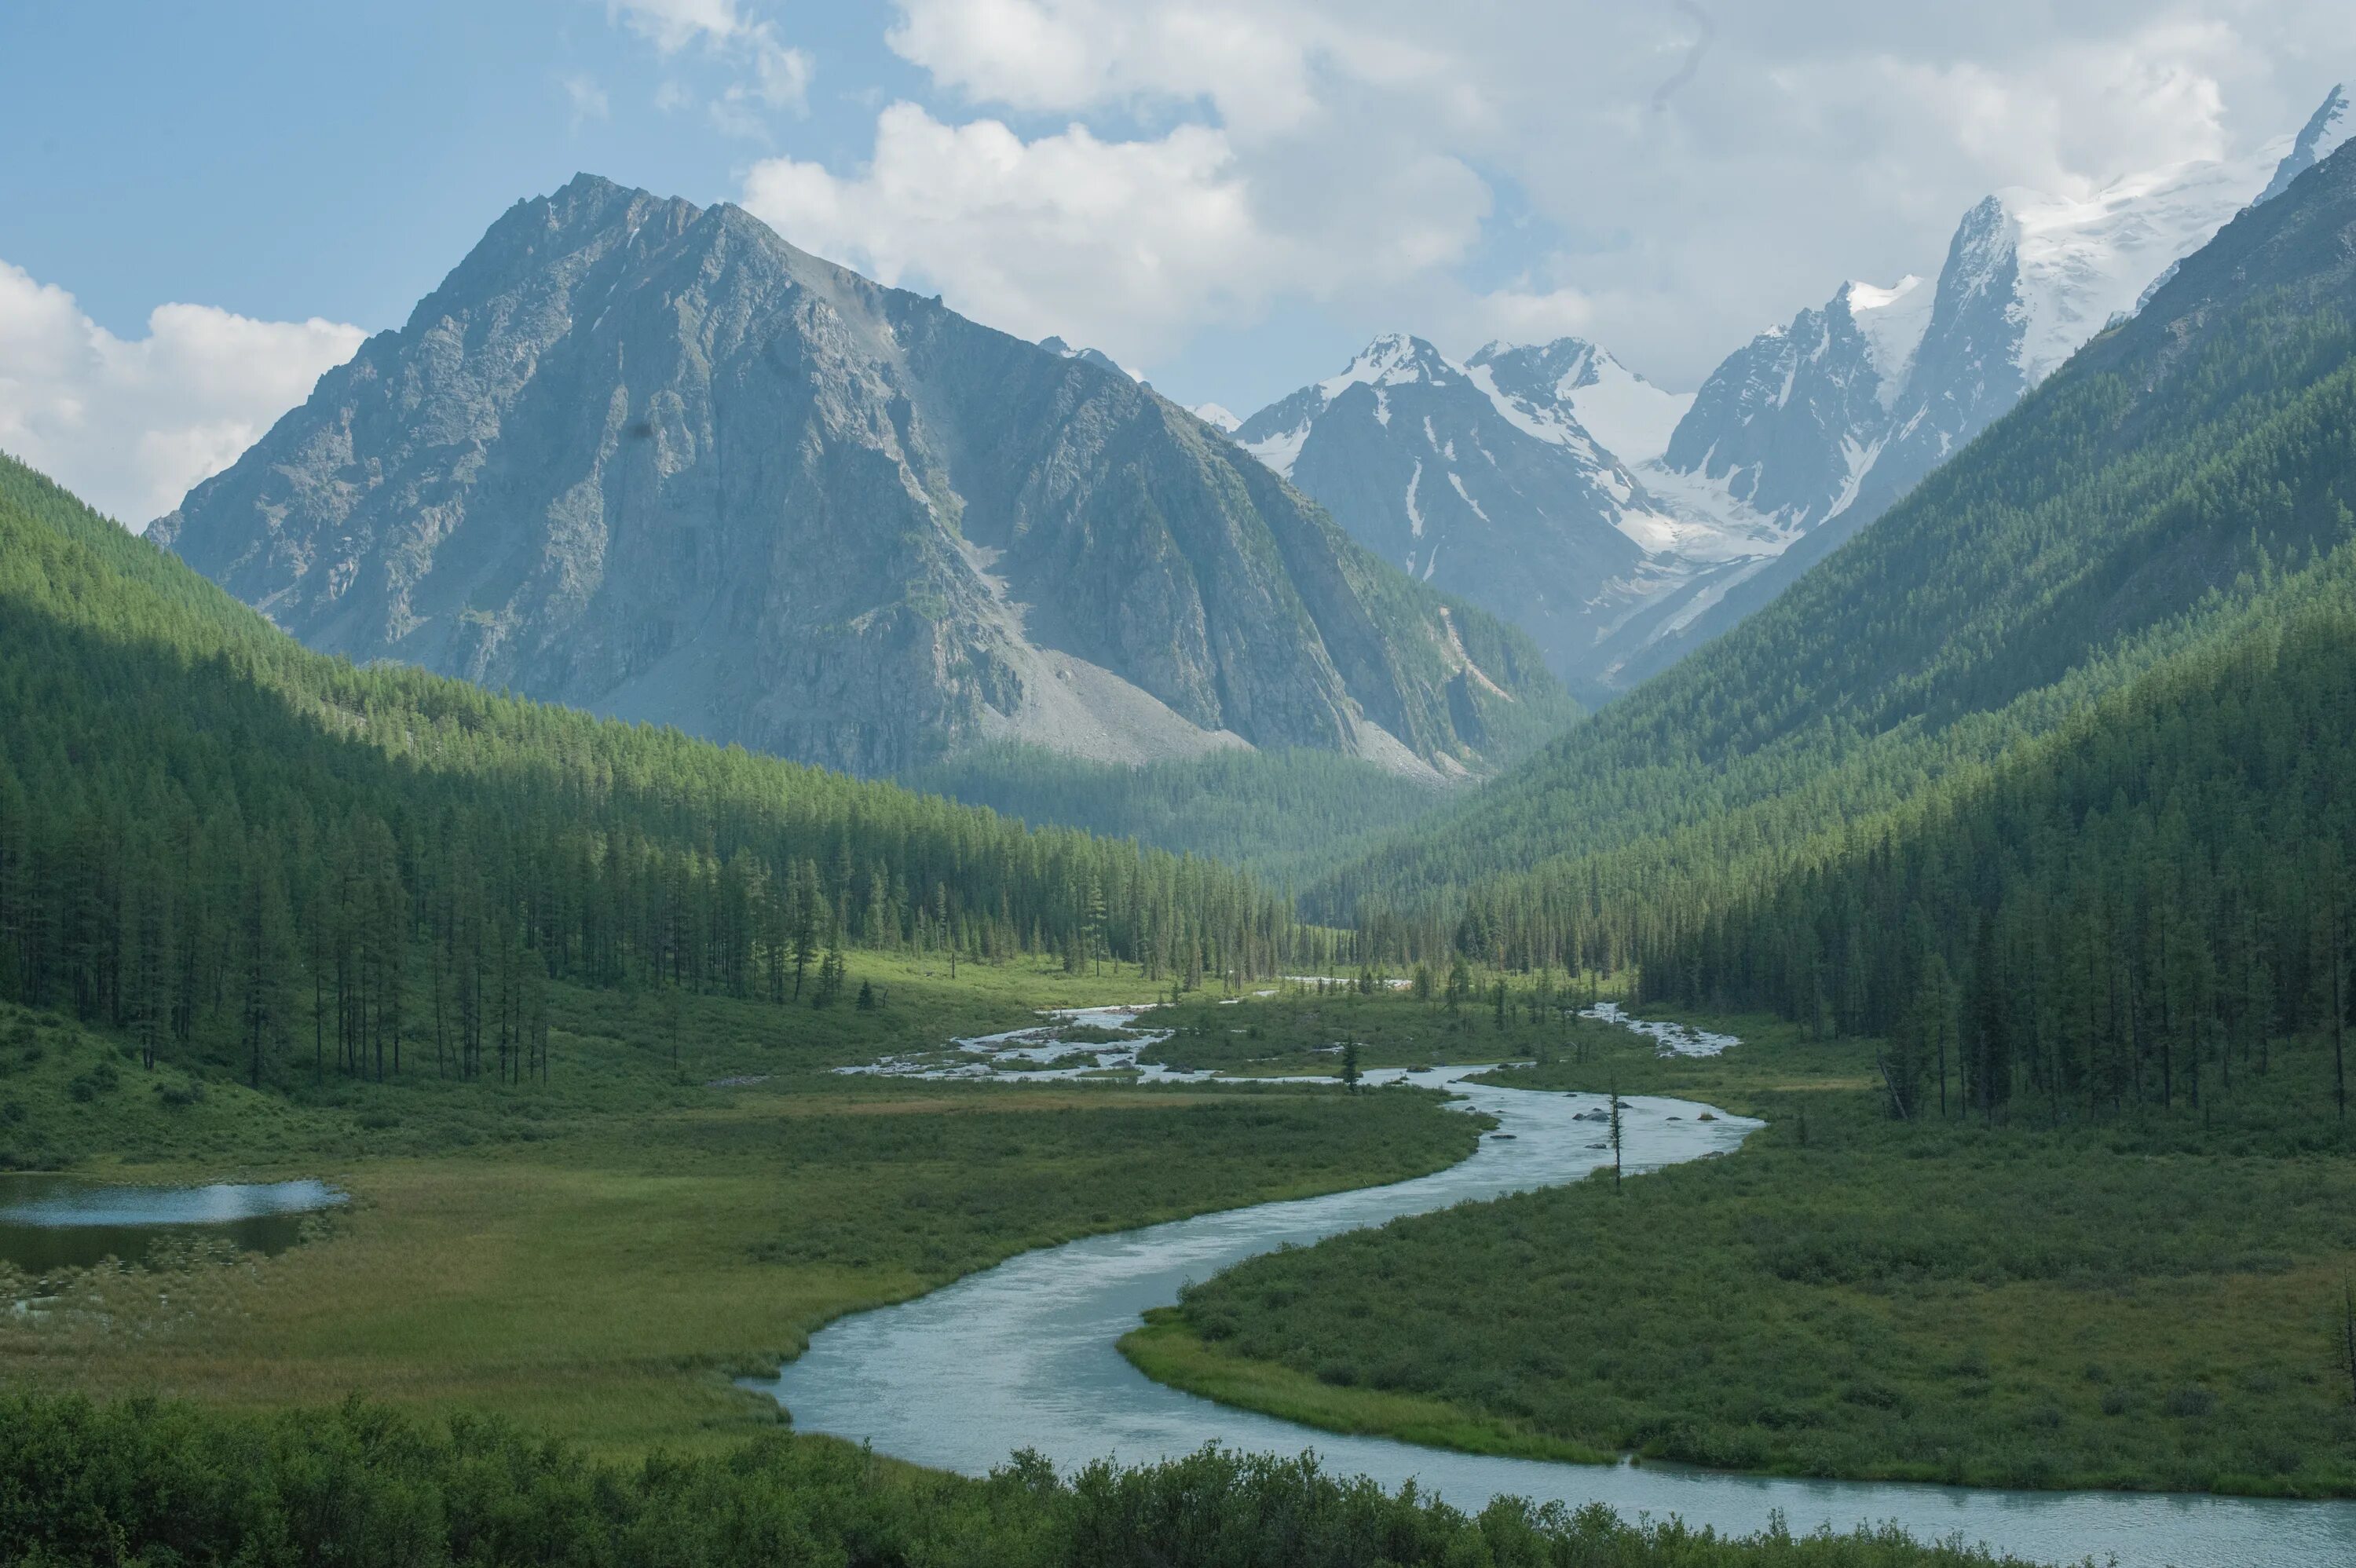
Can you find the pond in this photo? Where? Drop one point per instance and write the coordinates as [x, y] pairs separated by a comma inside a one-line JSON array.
[[50, 1223]]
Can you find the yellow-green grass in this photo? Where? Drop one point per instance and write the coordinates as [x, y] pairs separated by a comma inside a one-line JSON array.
[[1166, 1350], [1293, 1030], [599, 1257], [2149, 1302]]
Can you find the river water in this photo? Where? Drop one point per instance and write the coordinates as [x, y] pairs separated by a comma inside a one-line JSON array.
[[1022, 1355]]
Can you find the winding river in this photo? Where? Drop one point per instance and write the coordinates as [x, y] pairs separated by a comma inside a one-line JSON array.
[[1022, 1355]]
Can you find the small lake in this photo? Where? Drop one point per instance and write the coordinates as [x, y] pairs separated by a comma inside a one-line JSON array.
[[50, 1222]]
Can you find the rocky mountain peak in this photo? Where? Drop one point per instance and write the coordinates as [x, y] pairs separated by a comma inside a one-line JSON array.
[[2325, 133], [653, 460]]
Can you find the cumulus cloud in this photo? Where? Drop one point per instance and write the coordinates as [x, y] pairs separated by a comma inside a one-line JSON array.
[[1123, 244], [130, 424], [1817, 140]]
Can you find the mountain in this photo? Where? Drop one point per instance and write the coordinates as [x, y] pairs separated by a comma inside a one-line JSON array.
[[650, 460], [1481, 479], [1823, 424], [2186, 475]]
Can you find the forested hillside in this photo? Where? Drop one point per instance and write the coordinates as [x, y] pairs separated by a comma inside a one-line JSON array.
[[1288, 815], [210, 834], [2013, 646]]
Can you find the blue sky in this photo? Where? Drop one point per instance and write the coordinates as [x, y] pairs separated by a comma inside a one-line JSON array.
[[1228, 195]]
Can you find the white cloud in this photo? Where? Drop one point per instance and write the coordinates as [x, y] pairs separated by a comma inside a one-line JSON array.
[[672, 25], [1670, 213], [772, 75], [130, 424], [1124, 245], [588, 99]]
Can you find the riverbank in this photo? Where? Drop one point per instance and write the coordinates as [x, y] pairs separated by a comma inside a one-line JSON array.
[[183, 1484], [599, 1254], [2146, 1303]]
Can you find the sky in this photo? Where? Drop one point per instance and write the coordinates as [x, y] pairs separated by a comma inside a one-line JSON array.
[[202, 208]]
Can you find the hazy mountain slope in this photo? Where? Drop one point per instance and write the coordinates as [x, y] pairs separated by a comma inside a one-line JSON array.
[[2176, 456], [652, 460]]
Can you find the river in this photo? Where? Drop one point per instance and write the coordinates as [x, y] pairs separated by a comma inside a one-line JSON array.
[[1022, 1355]]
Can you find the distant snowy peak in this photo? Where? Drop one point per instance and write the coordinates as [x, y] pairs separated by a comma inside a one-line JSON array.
[[1629, 416], [1217, 417], [2323, 134], [1394, 359], [1276, 433], [1481, 479]]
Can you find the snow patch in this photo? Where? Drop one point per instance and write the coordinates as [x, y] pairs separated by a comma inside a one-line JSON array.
[[1892, 322], [1467, 498], [1280, 451]]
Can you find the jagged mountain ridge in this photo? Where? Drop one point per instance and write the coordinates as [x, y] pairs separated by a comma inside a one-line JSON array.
[[649, 459], [2180, 468], [1481, 479], [2028, 279], [1797, 440]]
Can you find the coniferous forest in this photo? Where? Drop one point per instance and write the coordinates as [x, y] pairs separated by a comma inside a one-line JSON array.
[[206, 829]]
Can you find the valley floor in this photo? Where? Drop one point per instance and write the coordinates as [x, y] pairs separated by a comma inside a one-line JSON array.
[[2151, 1298], [596, 1255]]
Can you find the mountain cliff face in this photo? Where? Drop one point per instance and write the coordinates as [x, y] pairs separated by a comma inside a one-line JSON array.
[[652, 460]]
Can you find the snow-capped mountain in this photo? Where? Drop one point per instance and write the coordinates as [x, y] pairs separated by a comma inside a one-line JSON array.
[[1507, 478], [1481, 480], [1216, 416], [1822, 424]]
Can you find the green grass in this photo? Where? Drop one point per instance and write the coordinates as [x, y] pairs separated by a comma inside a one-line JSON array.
[[2146, 1303], [598, 1256], [1294, 1030], [172, 1483]]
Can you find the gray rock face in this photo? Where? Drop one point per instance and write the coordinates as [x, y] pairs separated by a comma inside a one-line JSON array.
[[652, 460], [1788, 422]]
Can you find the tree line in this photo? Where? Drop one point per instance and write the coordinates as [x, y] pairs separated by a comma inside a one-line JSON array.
[[206, 830]]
